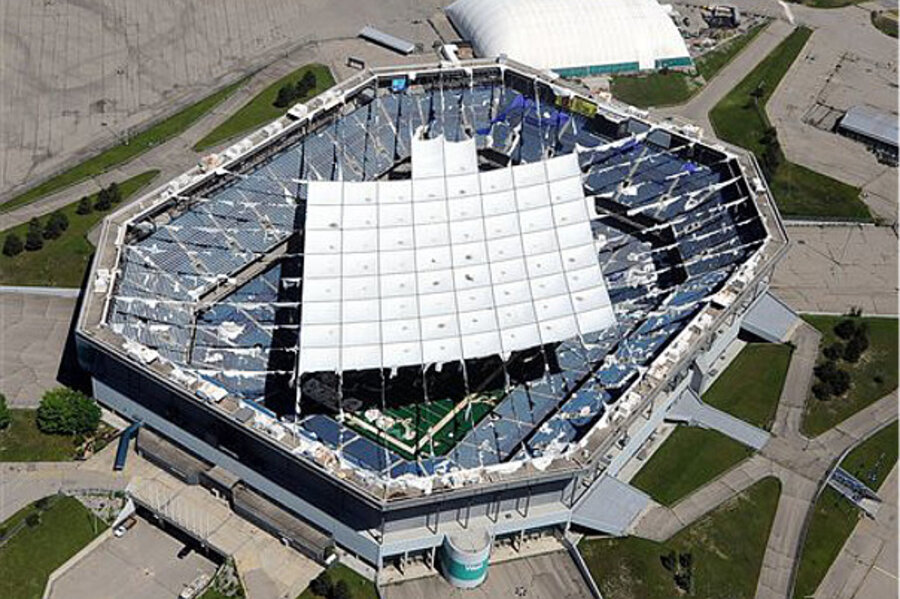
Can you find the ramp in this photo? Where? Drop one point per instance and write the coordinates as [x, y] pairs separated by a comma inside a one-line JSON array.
[[690, 409], [609, 506], [770, 319]]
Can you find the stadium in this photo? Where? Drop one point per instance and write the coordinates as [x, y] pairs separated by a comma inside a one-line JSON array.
[[435, 309]]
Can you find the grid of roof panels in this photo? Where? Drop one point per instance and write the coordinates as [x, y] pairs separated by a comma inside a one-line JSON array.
[[452, 264]]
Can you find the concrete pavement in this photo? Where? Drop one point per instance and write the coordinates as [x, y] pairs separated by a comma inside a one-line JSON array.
[[866, 567], [33, 333], [797, 381]]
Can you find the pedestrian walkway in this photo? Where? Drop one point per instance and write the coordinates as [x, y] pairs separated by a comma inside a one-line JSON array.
[[690, 409]]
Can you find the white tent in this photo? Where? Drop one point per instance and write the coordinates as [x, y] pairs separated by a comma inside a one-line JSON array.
[[573, 37]]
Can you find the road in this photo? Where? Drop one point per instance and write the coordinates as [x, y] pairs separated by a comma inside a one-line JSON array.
[[696, 110]]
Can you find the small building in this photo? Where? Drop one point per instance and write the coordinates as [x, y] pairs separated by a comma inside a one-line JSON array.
[[875, 128]]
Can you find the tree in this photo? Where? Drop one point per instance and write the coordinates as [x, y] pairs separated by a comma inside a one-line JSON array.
[[835, 351], [5, 416], [12, 245], [306, 84], [668, 561], [856, 347], [84, 206], [840, 382], [55, 225], [114, 193], [65, 411], [822, 391], [845, 329], [286, 94], [103, 201], [34, 238]]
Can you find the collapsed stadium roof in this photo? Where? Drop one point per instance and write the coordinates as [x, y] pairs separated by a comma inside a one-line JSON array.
[[208, 284]]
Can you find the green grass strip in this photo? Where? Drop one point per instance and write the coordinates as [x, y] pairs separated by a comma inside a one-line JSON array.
[[835, 517], [688, 459], [261, 110], [119, 154], [29, 558], [750, 387], [715, 60], [726, 549], [873, 377], [740, 118], [359, 587], [62, 261], [22, 441]]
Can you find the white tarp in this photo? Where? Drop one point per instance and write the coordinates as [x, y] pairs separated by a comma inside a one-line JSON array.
[[449, 265]]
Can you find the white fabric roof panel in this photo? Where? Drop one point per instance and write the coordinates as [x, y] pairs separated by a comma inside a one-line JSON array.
[[561, 34], [428, 278]]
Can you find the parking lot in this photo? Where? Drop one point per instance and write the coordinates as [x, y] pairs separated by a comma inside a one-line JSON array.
[[547, 576], [142, 564]]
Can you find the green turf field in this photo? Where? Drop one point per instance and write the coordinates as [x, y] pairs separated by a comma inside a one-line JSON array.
[[424, 429]]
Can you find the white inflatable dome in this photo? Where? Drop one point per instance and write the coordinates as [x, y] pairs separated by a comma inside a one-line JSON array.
[[573, 37]]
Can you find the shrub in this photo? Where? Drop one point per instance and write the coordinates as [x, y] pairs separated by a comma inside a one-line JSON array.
[[5, 416], [686, 560], [855, 348], [66, 411], [12, 245], [33, 519], [840, 382], [84, 206], [34, 239], [845, 329]]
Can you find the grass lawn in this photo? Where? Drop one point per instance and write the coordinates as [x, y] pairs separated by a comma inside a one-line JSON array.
[[726, 547], [739, 118], [137, 144], [873, 377], [29, 558], [655, 89], [62, 261], [688, 459], [674, 87], [360, 588], [261, 109], [751, 385], [835, 517], [22, 441]]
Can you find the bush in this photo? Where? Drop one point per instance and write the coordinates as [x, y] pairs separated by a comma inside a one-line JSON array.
[[5, 416], [668, 561], [840, 382], [33, 519], [845, 329], [686, 560], [64, 411], [84, 206], [12, 245]]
